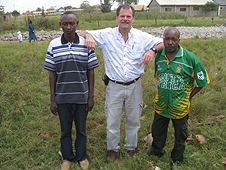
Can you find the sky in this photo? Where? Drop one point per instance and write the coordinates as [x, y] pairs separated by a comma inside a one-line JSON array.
[[31, 5]]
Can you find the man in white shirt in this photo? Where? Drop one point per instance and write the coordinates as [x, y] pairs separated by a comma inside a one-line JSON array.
[[126, 51]]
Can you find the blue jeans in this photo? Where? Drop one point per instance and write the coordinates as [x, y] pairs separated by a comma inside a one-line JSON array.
[[67, 114]]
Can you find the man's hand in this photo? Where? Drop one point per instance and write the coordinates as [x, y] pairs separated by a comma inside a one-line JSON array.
[[148, 57], [90, 104], [90, 43], [53, 108]]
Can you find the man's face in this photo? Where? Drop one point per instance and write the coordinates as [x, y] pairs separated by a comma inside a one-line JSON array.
[[68, 24], [171, 41], [125, 18]]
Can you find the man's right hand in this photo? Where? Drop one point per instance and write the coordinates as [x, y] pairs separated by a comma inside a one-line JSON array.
[[90, 43]]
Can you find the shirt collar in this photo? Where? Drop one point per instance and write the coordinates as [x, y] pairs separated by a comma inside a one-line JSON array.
[[130, 33], [64, 41]]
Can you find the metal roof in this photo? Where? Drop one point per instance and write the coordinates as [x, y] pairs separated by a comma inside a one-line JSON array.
[[139, 7], [220, 2], [182, 2]]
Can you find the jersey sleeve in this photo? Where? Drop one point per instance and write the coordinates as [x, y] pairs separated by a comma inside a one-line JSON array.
[[200, 74]]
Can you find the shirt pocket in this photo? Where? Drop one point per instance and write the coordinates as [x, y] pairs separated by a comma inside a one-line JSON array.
[[136, 49]]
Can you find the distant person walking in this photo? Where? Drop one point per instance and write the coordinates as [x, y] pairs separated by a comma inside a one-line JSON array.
[[19, 36], [31, 30]]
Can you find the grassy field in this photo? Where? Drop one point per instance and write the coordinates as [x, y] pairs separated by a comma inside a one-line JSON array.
[[24, 113]]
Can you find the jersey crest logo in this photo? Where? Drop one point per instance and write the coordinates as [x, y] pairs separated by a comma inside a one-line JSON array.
[[179, 67], [200, 75]]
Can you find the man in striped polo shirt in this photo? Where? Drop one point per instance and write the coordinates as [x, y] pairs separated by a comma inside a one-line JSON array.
[[180, 76], [71, 76]]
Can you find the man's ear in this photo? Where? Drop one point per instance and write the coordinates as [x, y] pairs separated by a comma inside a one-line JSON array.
[[77, 22], [60, 23]]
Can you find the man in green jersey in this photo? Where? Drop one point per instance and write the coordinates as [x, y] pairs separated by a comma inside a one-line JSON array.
[[180, 76]]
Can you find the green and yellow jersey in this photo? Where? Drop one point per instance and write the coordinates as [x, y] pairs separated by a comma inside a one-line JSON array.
[[176, 80]]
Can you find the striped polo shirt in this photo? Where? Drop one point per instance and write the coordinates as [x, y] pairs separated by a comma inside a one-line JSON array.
[[176, 80], [70, 61]]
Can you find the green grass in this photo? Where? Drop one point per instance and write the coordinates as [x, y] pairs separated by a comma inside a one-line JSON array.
[[24, 112]]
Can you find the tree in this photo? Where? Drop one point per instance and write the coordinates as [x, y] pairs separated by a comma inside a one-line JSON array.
[[87, 7], [2, 8], [135, 2], [43, 11], [84, 5], [210, 6], [15, 13], [38, 9], [67, 7], [106, 6]]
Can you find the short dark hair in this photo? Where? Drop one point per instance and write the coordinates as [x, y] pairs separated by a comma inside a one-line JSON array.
[[172, 29], [125, 6], [68, 13]]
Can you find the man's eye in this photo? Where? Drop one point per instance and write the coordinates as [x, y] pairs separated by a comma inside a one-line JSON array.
[[172, 39], [68, 23]]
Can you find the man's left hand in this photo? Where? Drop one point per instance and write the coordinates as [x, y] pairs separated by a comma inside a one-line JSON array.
[[90, 104], [148, 57]]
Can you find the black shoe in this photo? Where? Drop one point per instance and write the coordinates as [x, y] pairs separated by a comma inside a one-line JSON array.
[[131, 153], [162, 152], [111, 156]]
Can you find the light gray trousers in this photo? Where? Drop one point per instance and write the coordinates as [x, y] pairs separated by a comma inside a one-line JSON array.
[[130, 98]]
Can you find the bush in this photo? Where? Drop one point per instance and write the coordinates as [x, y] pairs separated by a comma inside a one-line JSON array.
[[5, 26]]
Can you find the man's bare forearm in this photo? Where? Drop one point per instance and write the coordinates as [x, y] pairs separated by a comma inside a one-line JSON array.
[[90, 42], [83, 33]]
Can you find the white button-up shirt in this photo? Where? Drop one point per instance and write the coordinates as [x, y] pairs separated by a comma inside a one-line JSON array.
[[123, 60]]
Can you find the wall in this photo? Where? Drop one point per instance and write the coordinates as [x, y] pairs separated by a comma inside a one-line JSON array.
[[155, 7], [222, 10]]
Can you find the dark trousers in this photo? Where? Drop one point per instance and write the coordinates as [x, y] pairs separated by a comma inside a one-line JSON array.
[[67, 114], [159, 134]]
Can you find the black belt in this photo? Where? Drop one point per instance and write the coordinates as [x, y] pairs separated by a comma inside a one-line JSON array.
[[126, 83]]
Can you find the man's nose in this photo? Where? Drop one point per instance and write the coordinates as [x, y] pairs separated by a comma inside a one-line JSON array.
[[68, 26]]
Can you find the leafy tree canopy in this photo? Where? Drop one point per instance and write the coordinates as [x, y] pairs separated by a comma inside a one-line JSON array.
[[106, 6], [85, 4], [210, 6], [38, 9], [135, 2], [15, 13], [68, 7], [87, 7]]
